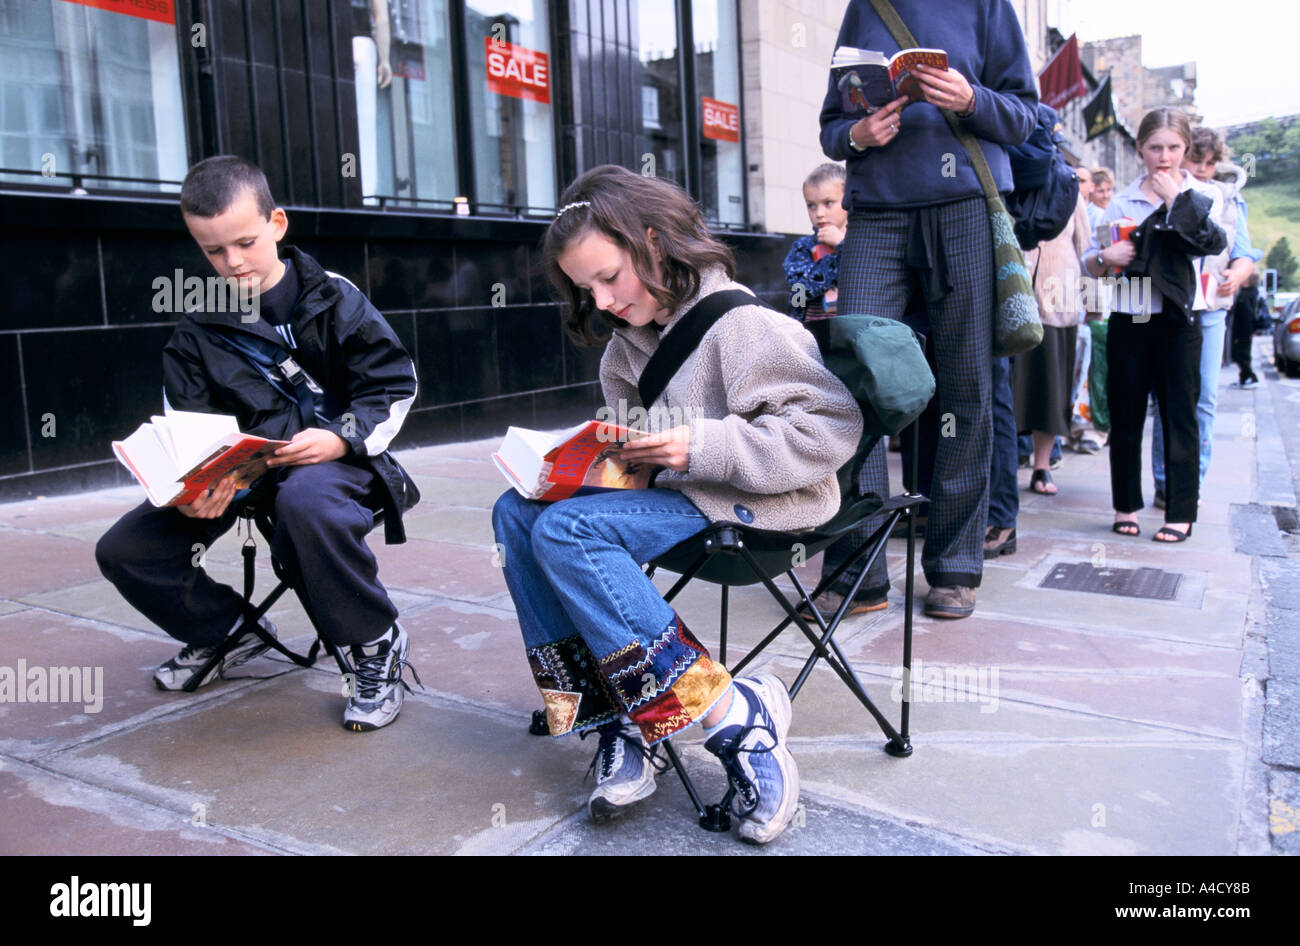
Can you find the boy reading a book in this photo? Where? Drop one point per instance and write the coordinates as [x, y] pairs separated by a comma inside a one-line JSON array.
[[314, 364], [812, 267]]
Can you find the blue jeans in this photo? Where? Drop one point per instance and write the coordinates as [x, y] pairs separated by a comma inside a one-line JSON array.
[[1004, 492], [1212, 328], [600, 639]]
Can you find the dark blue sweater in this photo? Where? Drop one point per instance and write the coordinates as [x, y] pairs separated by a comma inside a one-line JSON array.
[[926, 164]]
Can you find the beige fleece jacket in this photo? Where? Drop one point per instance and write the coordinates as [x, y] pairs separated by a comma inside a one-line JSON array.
[[770, 425]]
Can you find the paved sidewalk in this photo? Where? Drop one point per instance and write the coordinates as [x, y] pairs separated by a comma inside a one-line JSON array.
[[1051, 722]]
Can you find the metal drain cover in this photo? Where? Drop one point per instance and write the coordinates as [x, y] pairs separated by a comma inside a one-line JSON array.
[[1120, 582]]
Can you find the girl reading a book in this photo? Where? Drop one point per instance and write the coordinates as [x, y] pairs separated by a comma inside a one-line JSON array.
[[769, 426], [1154, 343]]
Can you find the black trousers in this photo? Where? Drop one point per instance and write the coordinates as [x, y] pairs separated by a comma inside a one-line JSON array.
[[1161, 355], [321, 514]]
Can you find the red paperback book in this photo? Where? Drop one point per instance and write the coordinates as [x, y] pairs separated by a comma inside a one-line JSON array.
[[575, 462], [179, 457]]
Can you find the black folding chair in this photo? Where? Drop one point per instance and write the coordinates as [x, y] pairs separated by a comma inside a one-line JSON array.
[[252, 517], [732, 555]]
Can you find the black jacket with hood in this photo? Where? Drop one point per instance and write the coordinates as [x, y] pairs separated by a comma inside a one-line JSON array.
[[343, 342]]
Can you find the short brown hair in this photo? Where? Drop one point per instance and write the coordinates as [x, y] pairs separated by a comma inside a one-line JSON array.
[[1207, 143], [1100, 174], [624, 206], [214, 184]]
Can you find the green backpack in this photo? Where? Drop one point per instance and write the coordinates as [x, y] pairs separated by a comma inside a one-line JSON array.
[[881, 362]]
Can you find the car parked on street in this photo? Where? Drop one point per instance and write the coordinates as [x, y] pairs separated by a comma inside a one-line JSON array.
[[1286, 340]]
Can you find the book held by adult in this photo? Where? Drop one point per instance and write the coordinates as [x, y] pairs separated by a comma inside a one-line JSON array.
[[179, 457], [575, 462], [868, 79]]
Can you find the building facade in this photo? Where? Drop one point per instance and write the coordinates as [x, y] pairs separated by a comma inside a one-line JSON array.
[[419, 147]]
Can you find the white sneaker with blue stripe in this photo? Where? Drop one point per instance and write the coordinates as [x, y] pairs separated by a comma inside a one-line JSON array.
[[759, 766]]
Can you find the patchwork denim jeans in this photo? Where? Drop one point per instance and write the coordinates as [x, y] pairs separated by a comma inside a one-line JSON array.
[[600, 639]]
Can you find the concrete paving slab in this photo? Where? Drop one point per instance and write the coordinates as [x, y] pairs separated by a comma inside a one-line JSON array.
[[273, 764], [1281, 581], [958, 710], [1118, 799], [47, 814], [117, 689], [9, 607], [1283, 644], [436, 491], [1281, 722], [1023, 644], [439, 568], [471, 527], [100, 601], [34, 562], [665, 825], [1012, 593], [460, 468], [473, 654]]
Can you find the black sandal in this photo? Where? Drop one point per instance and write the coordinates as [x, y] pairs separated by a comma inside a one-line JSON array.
[[1171, 536], [1042, 478], [1126, 527]]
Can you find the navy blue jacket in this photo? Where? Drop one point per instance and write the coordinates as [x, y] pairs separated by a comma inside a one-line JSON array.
[[926, 164], [342, 341]]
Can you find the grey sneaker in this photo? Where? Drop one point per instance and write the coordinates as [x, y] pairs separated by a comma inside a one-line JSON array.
[[625, 771], [376, 695], [759, 766], [175, 673], [953, 601]]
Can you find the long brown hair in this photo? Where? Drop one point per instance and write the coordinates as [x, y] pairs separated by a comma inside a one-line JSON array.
[[1171, 118], [624, 206]]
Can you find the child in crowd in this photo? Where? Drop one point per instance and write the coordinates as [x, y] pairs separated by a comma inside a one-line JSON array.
[[324, 487], [768, 428], [812, 267], [1155, 341]]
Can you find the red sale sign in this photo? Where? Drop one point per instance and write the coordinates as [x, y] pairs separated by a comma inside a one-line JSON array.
[[721, 120], [517, 71], [160, 11]]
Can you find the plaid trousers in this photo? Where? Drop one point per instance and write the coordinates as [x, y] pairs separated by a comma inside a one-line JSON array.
[[875, 279]]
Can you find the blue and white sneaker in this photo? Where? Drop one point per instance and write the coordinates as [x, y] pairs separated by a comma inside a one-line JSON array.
[[377, 692], [759, 766], [625, 770]]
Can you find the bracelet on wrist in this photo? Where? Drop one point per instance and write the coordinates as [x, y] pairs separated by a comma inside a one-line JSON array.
[[969, 110]]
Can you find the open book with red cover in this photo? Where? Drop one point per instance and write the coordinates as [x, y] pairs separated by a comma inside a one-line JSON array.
[[178, 457], [868, 79], [575, 462]]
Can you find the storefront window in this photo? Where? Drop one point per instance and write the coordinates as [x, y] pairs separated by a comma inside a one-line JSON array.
[[404, 100], [508, 49], [661, 91], [90, 87], [717, 74]]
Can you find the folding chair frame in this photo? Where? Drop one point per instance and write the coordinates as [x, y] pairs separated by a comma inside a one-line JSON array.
[[253, 614], [729, 538]]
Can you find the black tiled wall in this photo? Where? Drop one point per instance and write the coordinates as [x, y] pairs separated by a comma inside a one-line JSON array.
[[79, 339]]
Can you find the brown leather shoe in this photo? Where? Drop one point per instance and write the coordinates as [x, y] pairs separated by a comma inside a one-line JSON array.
[[828, 602], [952, 601], [999, 542]]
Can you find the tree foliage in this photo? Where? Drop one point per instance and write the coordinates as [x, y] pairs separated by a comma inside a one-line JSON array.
[[1272, 151], [1283, 260]]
